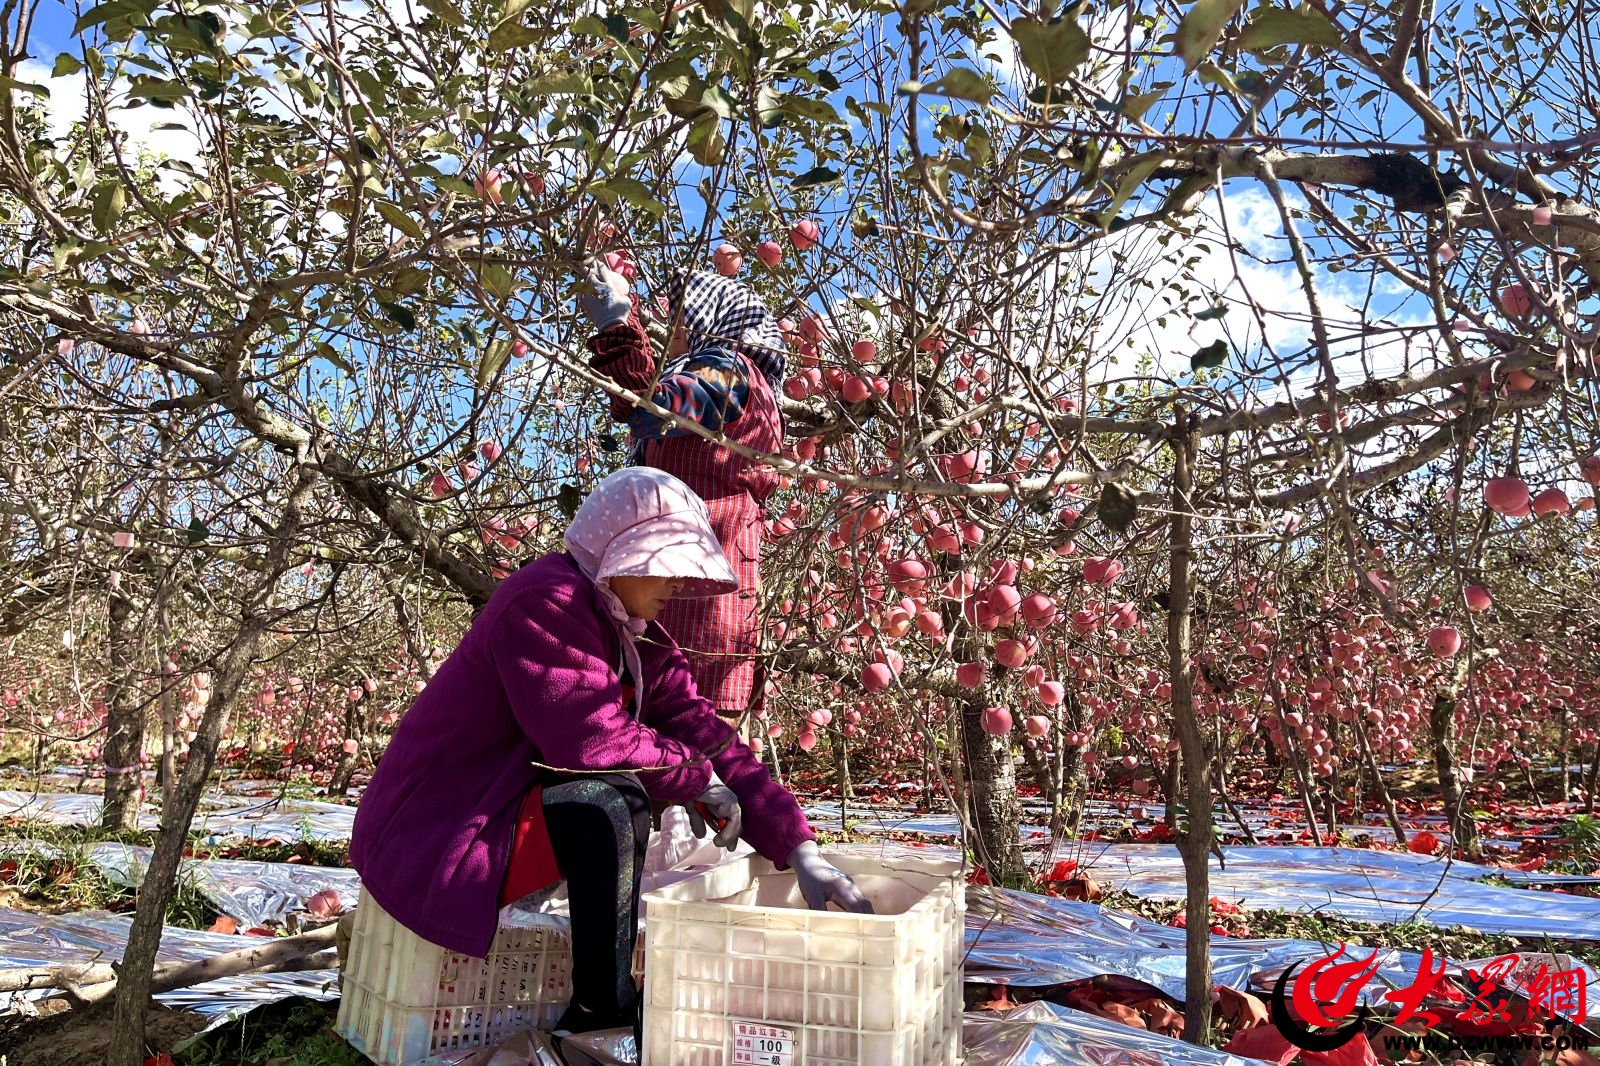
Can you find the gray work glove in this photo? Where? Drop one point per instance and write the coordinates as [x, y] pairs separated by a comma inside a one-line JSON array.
[[821, 883], [720, 806], [608, 302]]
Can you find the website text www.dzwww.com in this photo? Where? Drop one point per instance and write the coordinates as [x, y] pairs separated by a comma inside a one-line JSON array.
[[1514, 1042]]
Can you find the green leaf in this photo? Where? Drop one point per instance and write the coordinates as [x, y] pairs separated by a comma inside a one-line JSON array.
[[617, 27], [568, 499], [1212, 355], [397, 218], [716, 98], [497, 280], [332, 355], [511, 33], [609, 443], [446, 11], [1135, 106], [197, 531], [1136, 174], [1201, 27], [815, 110], [1269, 29], [410, 280], [706, 144], [24, 86], [1211, 74], [109, 200], [1118, 507], [635, 192], [1051, 50], [159, 91], [494, 357], [399, 314], [103, 13], [961, 83], [67, 64], [816, 176]]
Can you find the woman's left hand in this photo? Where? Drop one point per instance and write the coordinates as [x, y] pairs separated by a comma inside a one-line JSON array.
[[822, 883]]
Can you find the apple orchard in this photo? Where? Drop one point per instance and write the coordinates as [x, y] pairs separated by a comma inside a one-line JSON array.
[[1187, 403]]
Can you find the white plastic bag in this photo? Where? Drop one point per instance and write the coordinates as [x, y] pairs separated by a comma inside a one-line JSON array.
[[673, 854]]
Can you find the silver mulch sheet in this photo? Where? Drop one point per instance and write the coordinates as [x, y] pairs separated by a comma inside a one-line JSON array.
[[100, 936]]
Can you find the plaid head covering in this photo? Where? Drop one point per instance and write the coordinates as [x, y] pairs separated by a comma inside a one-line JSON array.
[[719, 312]]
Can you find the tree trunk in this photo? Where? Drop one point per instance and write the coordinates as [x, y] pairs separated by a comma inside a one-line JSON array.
[[1172, 789], [167, 768], [992, 797], [1330, 793], [1594, 780], [1196, 840], [232, 665], [354, 729], [1067, 818], [1370, 761], [1442, 720], [125, 707], [1566, 757]]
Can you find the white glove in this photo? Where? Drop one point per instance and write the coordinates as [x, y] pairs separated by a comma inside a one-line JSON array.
[[722, 805], [609, 303], [822, 883]]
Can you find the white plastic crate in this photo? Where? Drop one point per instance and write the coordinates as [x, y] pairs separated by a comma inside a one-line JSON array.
[[739, 972], [406, 999], [391, 1012]]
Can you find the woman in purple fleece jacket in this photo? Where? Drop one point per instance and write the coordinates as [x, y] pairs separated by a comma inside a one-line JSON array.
[[562, 713]]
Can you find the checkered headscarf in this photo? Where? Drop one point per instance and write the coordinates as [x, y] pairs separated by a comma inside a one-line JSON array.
[[719, 312]]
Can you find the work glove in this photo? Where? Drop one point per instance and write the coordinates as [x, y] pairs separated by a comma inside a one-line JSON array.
[[719, 806], [607, 301], [821, 883]]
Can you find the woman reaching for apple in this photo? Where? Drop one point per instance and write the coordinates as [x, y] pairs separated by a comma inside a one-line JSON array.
[[534, 753], [722, 368]]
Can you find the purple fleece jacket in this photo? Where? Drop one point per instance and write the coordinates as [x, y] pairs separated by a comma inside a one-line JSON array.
[[536, 678]]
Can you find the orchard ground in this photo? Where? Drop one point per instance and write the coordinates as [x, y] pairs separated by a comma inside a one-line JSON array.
[[1519, 835]]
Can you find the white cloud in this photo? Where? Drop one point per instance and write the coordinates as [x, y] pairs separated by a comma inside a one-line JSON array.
[[69, 103]]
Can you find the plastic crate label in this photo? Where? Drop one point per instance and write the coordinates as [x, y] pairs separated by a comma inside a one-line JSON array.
[[755, 1044]]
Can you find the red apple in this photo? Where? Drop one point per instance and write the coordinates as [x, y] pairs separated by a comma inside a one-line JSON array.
[[804, 234], [996, 721], [1004, 601], [1507, 495], [1011, 653], [324, 904], [863, 351], [1444, 641], [1101, 571], [971, 675], [487, 185], [1038, 610], [1591, 470], [1037, 725], [769, 253], [1515, 300], [1551, 501], [727, 260]]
